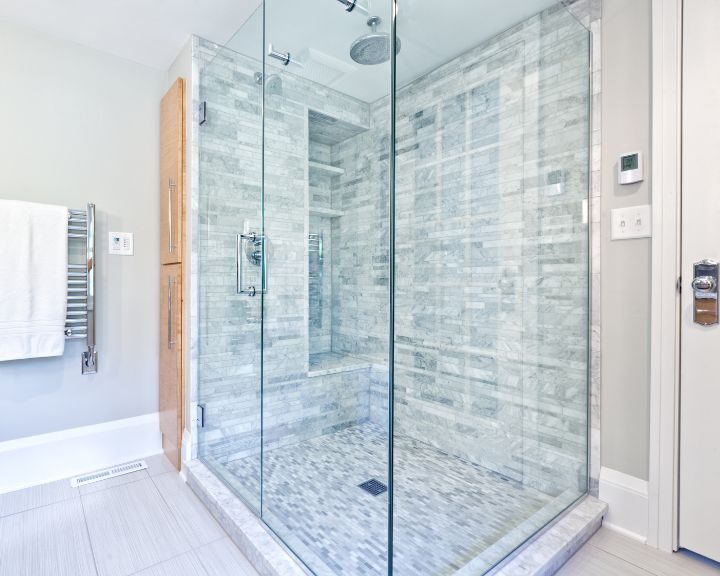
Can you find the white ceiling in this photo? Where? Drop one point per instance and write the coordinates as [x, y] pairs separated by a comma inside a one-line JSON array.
[[151, 32], [432, 32]]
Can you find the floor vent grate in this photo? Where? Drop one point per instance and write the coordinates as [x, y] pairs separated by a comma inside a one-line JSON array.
[[375, 487], [108, 473]]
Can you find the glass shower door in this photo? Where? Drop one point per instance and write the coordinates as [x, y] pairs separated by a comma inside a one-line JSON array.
[[230, 205], [325, 314]]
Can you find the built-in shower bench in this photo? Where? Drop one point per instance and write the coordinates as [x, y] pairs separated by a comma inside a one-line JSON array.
[[324, 363]]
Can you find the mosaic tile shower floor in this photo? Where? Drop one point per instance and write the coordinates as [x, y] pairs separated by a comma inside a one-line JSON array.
[[447, 512]]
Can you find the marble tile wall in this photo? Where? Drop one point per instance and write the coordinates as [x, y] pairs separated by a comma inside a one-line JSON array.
[[296, 406], [492, 253], [492, 292]]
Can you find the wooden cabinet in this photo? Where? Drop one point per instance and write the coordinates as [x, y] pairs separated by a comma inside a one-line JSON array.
[[172, 174], [172, 240], [171, 360]]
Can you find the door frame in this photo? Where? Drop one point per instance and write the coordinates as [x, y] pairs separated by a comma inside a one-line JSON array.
[[665, 298]]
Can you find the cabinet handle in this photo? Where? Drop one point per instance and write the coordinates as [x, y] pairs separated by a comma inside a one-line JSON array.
[[171, 188], [170, 340]]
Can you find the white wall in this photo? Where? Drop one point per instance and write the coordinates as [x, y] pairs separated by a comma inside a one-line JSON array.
[[79, 125], [626, 125]]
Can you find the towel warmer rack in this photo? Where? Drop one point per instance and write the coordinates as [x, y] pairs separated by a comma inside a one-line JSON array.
[[80, 319]]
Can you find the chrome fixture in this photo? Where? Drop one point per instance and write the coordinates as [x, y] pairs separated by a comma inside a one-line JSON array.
[[351, 5], [273, 84], [251, 247], [373, 48], [170, 331], [705, 292], [80, 320], [315, 244], [284, 57], [170, 192]]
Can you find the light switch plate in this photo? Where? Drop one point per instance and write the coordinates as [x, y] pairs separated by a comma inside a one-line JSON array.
[[632, 222], [121, 244]]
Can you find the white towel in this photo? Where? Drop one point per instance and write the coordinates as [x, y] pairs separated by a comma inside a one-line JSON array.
[[33, 279]]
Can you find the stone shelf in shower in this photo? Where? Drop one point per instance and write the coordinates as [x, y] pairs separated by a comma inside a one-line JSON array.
[[328, 168], [324, 363], [326, 212]]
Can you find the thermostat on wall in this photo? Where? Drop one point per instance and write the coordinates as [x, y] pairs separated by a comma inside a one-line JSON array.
[[121, 244], [630, 168]]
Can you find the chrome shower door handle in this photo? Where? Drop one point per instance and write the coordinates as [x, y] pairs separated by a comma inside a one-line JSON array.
[[171, 188], [250, 250], [170, 339]]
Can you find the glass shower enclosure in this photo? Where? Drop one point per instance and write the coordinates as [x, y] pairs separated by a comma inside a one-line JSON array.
[[393, 270]]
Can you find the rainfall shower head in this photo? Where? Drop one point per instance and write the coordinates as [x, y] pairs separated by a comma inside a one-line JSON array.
[[373, 48]]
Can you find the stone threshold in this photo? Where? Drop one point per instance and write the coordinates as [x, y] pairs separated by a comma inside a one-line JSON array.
[[542, 555]]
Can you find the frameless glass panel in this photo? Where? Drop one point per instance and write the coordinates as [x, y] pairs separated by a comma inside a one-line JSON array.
[[230, 204], [325, 343], [491, 301]]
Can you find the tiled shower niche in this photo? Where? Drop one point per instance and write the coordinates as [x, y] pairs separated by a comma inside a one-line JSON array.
[[326, 221]]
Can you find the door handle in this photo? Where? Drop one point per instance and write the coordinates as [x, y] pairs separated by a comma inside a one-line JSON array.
[[704, 285], [251, 252], [171, 189], [705, 292], [170, 339]]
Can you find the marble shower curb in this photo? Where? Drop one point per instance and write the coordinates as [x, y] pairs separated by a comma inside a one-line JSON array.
[[245, 529], [541, 556], [552, 547]]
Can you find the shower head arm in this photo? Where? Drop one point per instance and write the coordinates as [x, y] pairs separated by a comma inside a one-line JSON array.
[[351, 5], [284, 57]]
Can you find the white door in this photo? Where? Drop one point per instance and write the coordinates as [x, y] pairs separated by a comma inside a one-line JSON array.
[[699, 503]]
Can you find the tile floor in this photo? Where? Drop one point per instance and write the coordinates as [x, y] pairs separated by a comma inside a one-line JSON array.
[[610, 554], [147, 523], [447, 512], [150, 524]]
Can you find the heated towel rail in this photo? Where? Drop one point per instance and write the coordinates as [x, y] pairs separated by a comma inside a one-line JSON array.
[[80, 320]]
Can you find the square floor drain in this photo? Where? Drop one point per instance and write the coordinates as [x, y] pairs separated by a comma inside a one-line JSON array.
[[375, 487]]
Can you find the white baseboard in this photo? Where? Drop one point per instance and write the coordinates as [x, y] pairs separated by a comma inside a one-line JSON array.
[[45, 458], [627, 498]]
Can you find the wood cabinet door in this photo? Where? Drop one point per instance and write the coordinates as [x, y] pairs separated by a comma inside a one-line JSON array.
[[171, 384], [172, 173]]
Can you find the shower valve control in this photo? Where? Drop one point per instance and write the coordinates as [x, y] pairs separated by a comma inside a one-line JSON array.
[[705, 292]]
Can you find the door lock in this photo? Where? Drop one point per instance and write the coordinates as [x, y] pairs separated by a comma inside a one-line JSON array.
[[705, 292]]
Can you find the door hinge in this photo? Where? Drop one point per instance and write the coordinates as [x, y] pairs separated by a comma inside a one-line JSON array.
[[201, 415], [678, 285], [202, 112]]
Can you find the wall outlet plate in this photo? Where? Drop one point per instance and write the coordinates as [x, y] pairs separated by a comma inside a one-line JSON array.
[[121, 244], [632, 222]]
